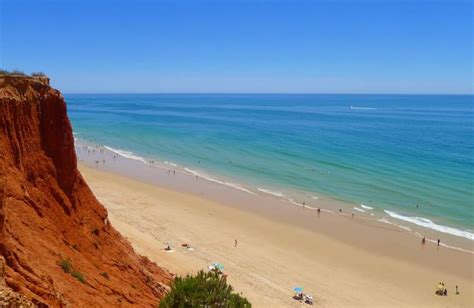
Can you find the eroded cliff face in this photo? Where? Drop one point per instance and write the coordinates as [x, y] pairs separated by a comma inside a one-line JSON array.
[[48, 214]]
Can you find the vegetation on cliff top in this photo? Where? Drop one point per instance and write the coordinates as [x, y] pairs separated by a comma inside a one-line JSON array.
[[20, 73], [206, 289]]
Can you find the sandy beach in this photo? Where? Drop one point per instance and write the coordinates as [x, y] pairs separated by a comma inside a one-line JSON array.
[[340, 261]]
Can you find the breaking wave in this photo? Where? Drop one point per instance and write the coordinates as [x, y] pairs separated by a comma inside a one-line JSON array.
[[233, 185], [426, 223], [126, 154]]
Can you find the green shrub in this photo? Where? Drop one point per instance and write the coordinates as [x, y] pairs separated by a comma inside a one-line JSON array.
[[79, 276], [203, 290], [66, 265], [38, 74], [4, 72], [17, 72]]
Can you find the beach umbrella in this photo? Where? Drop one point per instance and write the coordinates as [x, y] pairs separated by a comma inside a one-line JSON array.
[[298, 289], [218, 266]]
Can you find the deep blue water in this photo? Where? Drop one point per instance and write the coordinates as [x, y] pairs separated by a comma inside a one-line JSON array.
[[390, 151]]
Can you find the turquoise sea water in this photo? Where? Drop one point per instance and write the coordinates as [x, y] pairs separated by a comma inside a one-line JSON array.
[[412, 155]]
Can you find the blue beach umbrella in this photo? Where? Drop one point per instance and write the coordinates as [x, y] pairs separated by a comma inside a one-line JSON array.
[[218, 266], [298, 289]]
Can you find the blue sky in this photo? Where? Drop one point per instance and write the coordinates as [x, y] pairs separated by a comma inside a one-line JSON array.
[[242, 46]]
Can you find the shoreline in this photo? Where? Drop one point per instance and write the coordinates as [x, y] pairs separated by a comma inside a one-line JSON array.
[[341, 261], [137, 167]]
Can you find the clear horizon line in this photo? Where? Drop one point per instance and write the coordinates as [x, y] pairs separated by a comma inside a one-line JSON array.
[[272, 93]]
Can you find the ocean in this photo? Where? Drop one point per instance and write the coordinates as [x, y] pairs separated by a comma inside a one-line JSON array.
[[409, 157]]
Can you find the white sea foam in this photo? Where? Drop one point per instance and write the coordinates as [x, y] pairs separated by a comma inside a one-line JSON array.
[[450, 247], [357, 209], [385, 220], [274, 193], [366, 207], [424, 222], [171, 164], [328, 211], [362, 108], [233, 185], [294, 202], [456, 248], [404, 228], [126, 154], [315, 198], [442, 244]]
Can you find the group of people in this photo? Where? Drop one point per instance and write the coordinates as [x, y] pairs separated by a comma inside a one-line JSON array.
[[423, 241], [184, 245], [307, 298], [89, 151], [441, 290]]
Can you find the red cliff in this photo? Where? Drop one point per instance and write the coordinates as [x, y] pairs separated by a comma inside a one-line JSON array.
[[57, 245]]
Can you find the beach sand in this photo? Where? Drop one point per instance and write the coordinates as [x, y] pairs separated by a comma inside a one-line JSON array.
[[342, 262]]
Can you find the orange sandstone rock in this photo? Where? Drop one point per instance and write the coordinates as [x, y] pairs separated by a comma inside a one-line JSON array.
[[49, 214]]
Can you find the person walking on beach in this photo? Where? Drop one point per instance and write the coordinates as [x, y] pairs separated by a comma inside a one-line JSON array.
[[235, 243], [423, 240], [439, 241], [457, 290]]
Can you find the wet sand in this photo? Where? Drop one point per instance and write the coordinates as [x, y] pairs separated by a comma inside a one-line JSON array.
[[342, 261]]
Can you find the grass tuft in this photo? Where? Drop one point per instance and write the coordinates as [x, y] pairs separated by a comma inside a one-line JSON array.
[[79, 276], [66, 265]]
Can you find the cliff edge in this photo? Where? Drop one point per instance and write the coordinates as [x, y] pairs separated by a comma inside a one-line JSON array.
[[56, 244]]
